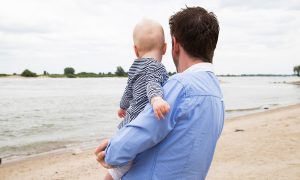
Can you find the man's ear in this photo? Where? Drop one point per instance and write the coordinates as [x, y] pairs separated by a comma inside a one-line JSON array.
[[136, 51], [175, 45], [164, 49]]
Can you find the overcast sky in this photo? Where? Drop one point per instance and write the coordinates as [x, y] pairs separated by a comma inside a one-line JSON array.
[[96, 35]]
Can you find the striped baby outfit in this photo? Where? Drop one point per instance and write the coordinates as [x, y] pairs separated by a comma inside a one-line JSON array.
[[146, 77]]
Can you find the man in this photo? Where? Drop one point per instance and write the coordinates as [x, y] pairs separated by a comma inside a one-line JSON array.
[[181, 146]]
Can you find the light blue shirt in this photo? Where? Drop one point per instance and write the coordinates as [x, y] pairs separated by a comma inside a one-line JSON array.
[[180, 146]]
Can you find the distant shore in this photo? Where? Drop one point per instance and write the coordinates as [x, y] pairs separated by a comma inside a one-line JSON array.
[[56, 76], [64, 77], [263, 145], [104, 76]]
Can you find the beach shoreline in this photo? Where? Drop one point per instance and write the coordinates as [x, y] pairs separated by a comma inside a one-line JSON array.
[[264, 143]]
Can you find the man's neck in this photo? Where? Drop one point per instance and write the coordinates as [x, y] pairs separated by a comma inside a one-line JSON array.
[[186, 61]]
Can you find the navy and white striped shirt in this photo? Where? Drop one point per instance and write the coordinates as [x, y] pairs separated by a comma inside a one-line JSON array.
[[146, 77]]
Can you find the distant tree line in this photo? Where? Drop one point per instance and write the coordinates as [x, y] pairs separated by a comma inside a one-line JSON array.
[[3, 75], [69, 72], [120, 72]]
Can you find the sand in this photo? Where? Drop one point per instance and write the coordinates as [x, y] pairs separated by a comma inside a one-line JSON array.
[[263, 145], [268, 148], [295, 82]]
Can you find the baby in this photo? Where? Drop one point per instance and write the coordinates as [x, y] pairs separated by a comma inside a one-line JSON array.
[[146, 77]]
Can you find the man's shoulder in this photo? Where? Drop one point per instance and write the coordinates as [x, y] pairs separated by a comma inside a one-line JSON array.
[[175, 82], [197, 83], [190, 77], [179, 78]]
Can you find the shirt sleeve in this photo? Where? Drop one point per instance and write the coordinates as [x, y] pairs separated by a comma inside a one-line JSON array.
[[145, 131], [127, 96], [155, 79]]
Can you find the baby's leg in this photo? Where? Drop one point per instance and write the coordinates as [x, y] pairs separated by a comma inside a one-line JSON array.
[[108, 177], [118, 173]]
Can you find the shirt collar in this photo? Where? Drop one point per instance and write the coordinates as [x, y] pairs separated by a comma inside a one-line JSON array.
[[203, 66]]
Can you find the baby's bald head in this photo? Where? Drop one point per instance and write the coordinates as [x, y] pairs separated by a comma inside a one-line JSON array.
[[148, 35]]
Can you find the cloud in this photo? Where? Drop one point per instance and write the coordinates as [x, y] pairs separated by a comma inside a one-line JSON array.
[[255, 37], [96, 35], [266, 5]]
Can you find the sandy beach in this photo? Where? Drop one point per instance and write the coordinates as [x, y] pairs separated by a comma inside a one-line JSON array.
[[263, 145]]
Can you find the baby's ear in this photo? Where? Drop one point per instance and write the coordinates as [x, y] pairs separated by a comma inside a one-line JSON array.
[[136, 51], [164, 49]]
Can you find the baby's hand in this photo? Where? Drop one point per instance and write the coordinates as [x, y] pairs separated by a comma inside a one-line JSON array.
[[121, 113], [160, 107]]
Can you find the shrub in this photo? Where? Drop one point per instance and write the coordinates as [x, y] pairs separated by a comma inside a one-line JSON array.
[[27, 73], [56, 75], [297, 70], [71, 76], [87, 74], [69, 70], [120, 71]]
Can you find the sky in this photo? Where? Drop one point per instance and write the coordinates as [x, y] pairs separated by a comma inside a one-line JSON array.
[[96, 35]]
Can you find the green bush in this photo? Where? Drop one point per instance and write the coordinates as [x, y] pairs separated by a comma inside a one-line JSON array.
[[87, 74], [297, 70], [27, 73], [68, 71], [120, 71], [3, 75], [71, 76], [56, 75]]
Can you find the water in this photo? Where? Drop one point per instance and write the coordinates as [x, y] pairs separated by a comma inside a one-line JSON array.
[[41, 114], [244, 95]]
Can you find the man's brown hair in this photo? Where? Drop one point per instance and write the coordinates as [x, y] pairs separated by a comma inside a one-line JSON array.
[[197, 31]]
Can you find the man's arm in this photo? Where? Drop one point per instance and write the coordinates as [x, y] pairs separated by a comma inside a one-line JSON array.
[[144, 132]]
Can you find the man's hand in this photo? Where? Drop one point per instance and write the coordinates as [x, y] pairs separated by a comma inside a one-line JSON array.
[[100, 153], [160, 107], [121, 113]]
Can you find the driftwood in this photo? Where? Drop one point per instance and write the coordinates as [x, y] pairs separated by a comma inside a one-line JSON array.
[[239, 130]]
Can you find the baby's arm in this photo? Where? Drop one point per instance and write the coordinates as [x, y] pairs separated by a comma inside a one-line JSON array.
[[155, 92], [160, 107], [126, 98]]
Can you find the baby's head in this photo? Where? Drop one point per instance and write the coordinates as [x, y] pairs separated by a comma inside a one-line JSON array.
[[149, 39]]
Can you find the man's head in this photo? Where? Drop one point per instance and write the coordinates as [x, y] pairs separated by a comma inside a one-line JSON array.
[[197, 31], [148, 36]]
